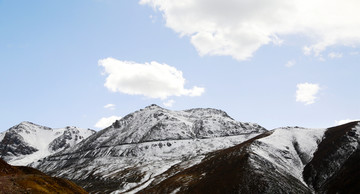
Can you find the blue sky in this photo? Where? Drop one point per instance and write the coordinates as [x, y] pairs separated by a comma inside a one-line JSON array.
[[75, 62]]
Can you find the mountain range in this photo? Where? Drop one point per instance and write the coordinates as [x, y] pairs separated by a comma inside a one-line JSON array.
[[203, 150]]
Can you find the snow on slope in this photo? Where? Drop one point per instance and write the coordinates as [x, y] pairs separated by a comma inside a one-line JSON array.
[[144, 161], [284, 160], [45, 140], [290, 148], [145, 144]]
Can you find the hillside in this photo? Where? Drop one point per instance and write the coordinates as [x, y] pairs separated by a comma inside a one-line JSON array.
[[20, 179]]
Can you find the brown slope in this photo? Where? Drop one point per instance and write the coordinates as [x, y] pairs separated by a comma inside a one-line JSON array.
[[6, 169], [21, 179], [335, 165], [231, 170]]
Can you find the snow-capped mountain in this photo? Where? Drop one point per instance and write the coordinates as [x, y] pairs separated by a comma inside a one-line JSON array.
[[155, 150], [285, 160], [28, 142], [128, 155]]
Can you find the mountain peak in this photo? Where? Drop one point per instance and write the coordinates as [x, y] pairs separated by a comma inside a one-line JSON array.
[[153, 106], [27, 123], [158, 124], [28, 126], [202, 111]]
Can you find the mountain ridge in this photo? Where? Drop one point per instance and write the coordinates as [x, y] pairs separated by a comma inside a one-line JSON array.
[[27, 142], [223, 170]]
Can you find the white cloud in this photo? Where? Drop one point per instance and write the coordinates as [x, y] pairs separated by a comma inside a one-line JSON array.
[[333, 55], [152, 79], [344, 121], [169, 103], [239, 28], [306, 92], [110, 106], [106, 121], [290, 63]]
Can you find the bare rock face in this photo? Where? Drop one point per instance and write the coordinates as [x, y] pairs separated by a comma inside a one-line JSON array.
[[13, 145], [70, 137]]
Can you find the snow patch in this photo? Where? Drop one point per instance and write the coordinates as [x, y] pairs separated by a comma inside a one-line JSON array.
[[289, 148]]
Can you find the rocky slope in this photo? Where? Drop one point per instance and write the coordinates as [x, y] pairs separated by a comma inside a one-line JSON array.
[[27, 142], [335, 166], [128, 155], [20, 179], [285, 160]]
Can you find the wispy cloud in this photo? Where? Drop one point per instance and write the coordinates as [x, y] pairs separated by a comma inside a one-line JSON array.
[[334, 55], [110, 106], [290, 63]]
